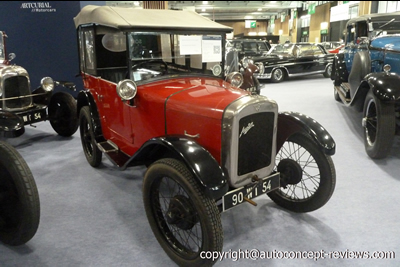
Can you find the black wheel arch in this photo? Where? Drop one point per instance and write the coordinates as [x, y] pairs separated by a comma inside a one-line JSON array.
[[11, 125], [85, 98], [290, 123], [198, 160]]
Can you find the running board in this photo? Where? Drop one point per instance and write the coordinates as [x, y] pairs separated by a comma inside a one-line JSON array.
[[343, 91], [113, 153]]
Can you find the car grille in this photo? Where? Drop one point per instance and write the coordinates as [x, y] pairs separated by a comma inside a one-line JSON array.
[[249, 139], [17, 93], [255, 142]]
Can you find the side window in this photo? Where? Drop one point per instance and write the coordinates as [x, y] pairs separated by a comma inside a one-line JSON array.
[[86, 48], [317, 50], [350, 34]]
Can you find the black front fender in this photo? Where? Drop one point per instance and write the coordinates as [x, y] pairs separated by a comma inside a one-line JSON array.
[[384, 86], [11, 124], [85, 98], [198, 160], [290, 123]]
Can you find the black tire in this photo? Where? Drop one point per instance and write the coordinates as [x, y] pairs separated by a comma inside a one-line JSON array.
[[62, 111], [308, 175], [277, 75], [379, 123], [328, 71], [19, 198], [92, 152], [193, 223]]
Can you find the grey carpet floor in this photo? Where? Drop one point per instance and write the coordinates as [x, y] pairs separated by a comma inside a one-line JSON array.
[[95, 217]]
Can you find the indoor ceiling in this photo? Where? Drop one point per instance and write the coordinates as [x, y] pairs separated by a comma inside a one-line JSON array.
[[237, 10], [227, 10]]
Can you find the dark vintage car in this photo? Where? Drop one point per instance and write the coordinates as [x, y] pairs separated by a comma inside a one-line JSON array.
[[250, 47], [366, 78], [156, 95], [294, 59], [19, 106]]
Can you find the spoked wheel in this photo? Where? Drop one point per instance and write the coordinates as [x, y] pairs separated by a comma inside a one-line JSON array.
[[183, 219], [19, 198], [379, 123], [92, 152], [307, 175], [62, 114]]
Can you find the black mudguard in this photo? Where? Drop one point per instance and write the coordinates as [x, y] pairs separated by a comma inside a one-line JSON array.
[[384, 86], [86, 99], [11, 124], [290, 123], [198, 160]]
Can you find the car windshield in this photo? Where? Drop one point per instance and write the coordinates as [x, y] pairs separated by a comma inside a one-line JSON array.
[[281, 49], [2, 56], [154, 54], [386, 27]]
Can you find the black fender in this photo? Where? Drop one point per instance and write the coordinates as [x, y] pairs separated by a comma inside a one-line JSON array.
[[11, 124], [384, 85], [290, 123], [85, 98], [198, 160], [339, 70]]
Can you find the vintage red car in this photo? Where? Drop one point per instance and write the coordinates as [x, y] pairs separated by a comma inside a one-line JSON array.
[[157, 94]]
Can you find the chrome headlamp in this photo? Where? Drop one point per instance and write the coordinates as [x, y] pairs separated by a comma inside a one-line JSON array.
[[235, 78], [47, 84], [126, 89], [246, 61]]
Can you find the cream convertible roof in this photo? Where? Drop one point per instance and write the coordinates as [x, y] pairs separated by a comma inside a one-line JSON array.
[[130, 18]]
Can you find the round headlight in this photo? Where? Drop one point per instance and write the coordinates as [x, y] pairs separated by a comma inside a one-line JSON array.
[[261, 68], [47, 84], [387, 68], [246, 61], [126, 89], [235, 78]]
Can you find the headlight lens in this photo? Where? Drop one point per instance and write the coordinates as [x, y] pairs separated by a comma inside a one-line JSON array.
[[261, 68], [387, 68], [246, 61], [47, 84], [126, 89], [235, 78]]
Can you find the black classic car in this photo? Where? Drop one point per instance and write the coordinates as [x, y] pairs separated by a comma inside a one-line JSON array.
[[294, 59], [19, 106], [366, 78]]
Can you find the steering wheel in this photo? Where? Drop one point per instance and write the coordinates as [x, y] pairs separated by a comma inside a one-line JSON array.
[[134, 67]]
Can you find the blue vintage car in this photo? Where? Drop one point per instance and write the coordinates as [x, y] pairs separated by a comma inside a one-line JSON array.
[[366, 77]]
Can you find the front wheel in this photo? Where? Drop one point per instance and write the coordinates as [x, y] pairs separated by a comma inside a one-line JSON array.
[[183, 219], [92, 152], [308, 175], [19, 198], [63, 114], [379, 123]]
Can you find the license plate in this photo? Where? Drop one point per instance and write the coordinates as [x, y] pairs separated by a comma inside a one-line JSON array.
[[237, 196], [33, 116]]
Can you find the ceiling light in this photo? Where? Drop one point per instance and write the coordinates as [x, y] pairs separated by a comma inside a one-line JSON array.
[[259, 9], [205, 2]]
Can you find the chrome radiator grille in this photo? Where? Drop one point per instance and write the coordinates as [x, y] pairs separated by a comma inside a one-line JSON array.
[[249, 139], [16, 93]]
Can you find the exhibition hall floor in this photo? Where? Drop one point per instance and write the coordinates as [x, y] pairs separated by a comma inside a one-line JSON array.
[[95, 217]]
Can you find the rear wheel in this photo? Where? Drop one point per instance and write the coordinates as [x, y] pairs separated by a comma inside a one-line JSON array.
[[19, 198], [183, 219], [379, 123], [308, 175], [277, 75], [92, 152], [328, 71], [62, 114]]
